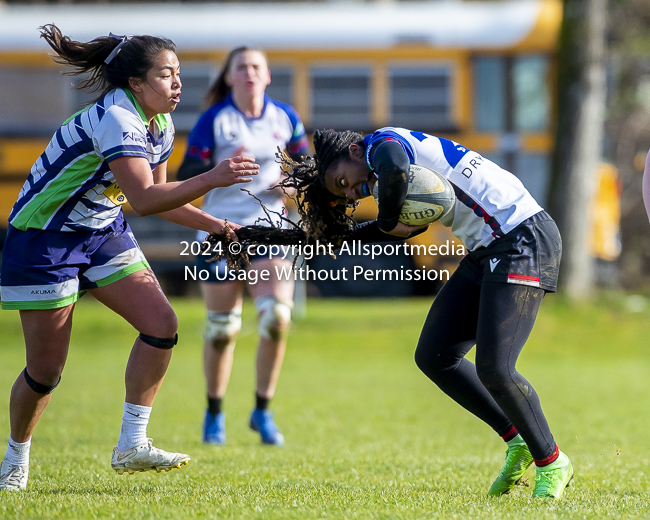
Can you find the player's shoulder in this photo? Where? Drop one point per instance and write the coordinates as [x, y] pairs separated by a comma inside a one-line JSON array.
[[389, 134], [281, 105], [284, 108], [212, 118], [116, 109], [433, 147]]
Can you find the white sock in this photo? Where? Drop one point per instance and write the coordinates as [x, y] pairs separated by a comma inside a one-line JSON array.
[[18, 452], [134, 426]]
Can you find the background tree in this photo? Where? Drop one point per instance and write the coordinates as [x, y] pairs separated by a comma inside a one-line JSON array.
[[628, 130], [581, 113]]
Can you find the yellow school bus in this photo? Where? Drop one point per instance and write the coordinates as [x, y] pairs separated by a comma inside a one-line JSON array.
[[479, 73]]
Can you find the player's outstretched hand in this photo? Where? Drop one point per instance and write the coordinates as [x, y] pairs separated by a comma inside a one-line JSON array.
[[404, 230], [219, 225], [236, 170]]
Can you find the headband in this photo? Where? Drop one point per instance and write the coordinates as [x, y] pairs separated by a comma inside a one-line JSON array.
[[117, 49]]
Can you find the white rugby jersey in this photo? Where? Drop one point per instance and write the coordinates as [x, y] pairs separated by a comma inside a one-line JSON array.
[[222, 130], [70, 186], [490, 201]]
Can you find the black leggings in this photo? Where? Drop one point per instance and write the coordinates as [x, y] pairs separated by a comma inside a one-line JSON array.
[[498, 318]]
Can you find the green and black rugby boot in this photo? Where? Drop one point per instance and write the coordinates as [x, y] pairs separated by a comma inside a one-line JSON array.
[[518, 460], [552, 480]]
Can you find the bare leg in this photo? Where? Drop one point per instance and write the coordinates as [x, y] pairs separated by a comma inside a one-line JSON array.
[[218, 355], [217, 365], [147, 309], [270, 353], [47, 338]]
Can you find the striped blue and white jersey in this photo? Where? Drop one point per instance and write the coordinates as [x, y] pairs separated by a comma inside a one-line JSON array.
[[70, 186], [222, 130], [490, 200]]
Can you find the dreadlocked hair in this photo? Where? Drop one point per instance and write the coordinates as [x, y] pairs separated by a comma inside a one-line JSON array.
[[268, 230], [331, 146], [322, 215]]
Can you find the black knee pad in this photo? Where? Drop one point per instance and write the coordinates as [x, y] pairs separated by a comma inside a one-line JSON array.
[[38, 387], [163, 343]]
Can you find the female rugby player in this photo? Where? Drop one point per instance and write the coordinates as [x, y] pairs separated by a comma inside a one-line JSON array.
[[67, 235], [491, 300], [241, 118]]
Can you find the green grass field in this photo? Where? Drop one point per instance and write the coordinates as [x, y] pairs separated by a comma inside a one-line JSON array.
[[368, 436]]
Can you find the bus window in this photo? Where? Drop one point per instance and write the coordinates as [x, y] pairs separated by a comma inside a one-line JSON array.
[[490, 94], [31, 100], [531, 95], [196, 78], [533, 169], [341, 97], [420, 97], [78, 98], [281, 87], [494, 156]]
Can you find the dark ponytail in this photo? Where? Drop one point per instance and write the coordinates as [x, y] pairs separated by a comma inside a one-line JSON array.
[[134, 59]]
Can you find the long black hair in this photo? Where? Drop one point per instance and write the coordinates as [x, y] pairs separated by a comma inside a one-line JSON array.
[[135, 58]]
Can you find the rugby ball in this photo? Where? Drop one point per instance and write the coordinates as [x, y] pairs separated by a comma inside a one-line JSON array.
[[429, 197]]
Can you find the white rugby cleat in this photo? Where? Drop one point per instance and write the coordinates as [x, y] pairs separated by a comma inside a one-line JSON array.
[[13, 477], [146, 457]]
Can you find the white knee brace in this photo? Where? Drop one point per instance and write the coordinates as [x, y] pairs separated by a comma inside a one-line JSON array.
[[222, 328], [273, 315]]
